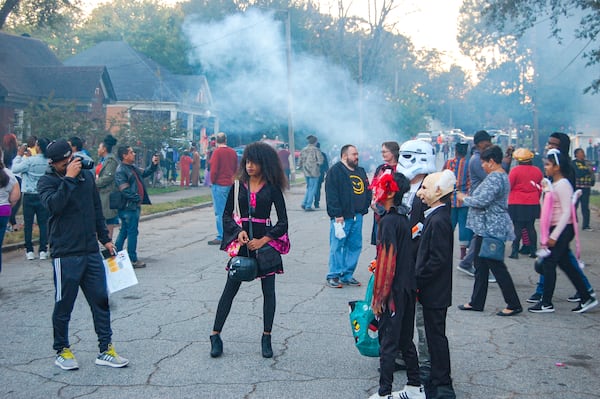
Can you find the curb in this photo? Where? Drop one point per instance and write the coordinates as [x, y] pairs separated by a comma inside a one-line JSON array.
[[19, 245]]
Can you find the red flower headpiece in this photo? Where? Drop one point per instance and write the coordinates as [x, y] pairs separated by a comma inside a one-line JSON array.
[[383, 184]]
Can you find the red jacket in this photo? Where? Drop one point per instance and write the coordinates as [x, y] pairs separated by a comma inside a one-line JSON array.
[[522, 190]]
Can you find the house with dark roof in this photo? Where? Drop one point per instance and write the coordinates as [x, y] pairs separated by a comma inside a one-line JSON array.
[[30, 72], [144, 87]]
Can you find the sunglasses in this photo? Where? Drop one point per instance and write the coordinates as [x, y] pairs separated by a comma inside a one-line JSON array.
[[556, 153]]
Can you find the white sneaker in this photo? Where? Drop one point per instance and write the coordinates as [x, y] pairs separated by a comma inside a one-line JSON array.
[[43, 255], [377, 396], [410, 392], [30, 256]]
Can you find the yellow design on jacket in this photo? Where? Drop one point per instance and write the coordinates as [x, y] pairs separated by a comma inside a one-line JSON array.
[[358, 185]]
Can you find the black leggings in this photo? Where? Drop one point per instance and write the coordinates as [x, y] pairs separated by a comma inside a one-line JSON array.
[[231, 290]]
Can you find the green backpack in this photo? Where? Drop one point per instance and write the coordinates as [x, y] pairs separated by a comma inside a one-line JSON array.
[[363, 323]]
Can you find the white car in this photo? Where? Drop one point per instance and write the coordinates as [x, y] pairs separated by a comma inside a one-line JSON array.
[[424, 136]]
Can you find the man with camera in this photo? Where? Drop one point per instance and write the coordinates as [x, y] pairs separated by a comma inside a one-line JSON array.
[[130, 182], [76, 224]]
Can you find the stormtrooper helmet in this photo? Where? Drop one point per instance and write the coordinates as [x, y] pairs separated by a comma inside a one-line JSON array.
[[416, 157]]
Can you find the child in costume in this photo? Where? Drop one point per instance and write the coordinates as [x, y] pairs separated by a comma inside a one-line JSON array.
[[394, 290], [434, 277]]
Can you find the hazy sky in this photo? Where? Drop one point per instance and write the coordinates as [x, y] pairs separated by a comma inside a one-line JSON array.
[[429, 23]]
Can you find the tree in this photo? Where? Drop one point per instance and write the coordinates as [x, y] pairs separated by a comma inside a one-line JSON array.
[[47, 118], [34, 12], [515, 17], [148, 26]]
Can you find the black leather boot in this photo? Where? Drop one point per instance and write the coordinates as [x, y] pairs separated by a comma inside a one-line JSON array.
[[514, 253], [267, 351], [216, 345]]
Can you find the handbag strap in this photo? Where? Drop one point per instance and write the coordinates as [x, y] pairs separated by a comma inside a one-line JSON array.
[[249, 214], [236, 195]]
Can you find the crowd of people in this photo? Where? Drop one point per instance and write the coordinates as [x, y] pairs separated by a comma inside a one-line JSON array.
[[494, 197]]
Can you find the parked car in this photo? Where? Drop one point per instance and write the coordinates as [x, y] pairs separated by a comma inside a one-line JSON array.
[[424, 136]]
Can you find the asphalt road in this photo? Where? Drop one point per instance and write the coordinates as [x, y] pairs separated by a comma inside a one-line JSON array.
[[162, 326]]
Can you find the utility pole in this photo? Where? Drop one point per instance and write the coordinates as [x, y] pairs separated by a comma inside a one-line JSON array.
[[360, 92], [288, 43]]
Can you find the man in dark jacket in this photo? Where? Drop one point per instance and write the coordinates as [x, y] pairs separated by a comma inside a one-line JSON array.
[[76, 224], [348, 199], [434, 278], [130, 181]]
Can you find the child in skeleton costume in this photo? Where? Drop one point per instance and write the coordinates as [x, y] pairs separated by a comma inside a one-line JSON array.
[[434, 277], [394, 289]]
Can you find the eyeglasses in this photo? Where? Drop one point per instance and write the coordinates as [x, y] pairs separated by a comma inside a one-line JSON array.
[[555, 153]]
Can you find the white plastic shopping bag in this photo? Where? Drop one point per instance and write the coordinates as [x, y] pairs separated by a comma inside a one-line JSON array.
[[119, 272]]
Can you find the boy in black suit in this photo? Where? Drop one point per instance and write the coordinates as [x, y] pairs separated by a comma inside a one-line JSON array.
[[395, 287], [434, 277]]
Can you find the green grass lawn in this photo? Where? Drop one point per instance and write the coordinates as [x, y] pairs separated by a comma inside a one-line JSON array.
[[17, 236]]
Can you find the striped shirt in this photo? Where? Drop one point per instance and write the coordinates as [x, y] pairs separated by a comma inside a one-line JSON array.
[[460, 167]]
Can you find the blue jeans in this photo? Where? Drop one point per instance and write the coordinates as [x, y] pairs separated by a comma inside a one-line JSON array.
[[219, 194], [3, 223], [459, 216], [129, 230], [311, 189], [32, 207], [539, 289], [344, 253]]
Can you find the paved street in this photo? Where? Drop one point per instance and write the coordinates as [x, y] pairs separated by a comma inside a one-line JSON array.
[[162, 326]]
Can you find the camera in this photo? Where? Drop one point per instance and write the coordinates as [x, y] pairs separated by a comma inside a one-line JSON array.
[[86, 163]]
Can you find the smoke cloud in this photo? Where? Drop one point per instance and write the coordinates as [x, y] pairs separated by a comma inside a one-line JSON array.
[[244, 56]]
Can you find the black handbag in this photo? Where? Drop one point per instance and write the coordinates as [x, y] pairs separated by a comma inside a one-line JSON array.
[[269, 259], [243, 268], [116, 200]]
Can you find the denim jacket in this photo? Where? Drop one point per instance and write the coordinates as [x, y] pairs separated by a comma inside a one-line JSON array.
[[31, 169]]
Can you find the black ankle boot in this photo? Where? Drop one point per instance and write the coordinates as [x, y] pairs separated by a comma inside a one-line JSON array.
[[515, 253], [267, 351], [216, 345]]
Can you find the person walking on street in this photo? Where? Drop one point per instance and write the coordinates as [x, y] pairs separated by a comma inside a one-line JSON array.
[[322, 172], [284, 157], [584, 180], [10, 193], [348, 199], [459, 165], [223, 164], [32, 168], [262, 181], [185, 162], [556, 232], [488, 217], [311, 159], [524, 200], [482, 141], [130, 181], [76, 225], [561, 142], [105, 181], [195, 179]]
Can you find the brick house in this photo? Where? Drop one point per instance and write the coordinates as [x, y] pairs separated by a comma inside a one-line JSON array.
[[31, 72], [144, 87]]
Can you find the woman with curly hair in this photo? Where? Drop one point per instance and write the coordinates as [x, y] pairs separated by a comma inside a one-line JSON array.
[[262, 181]]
